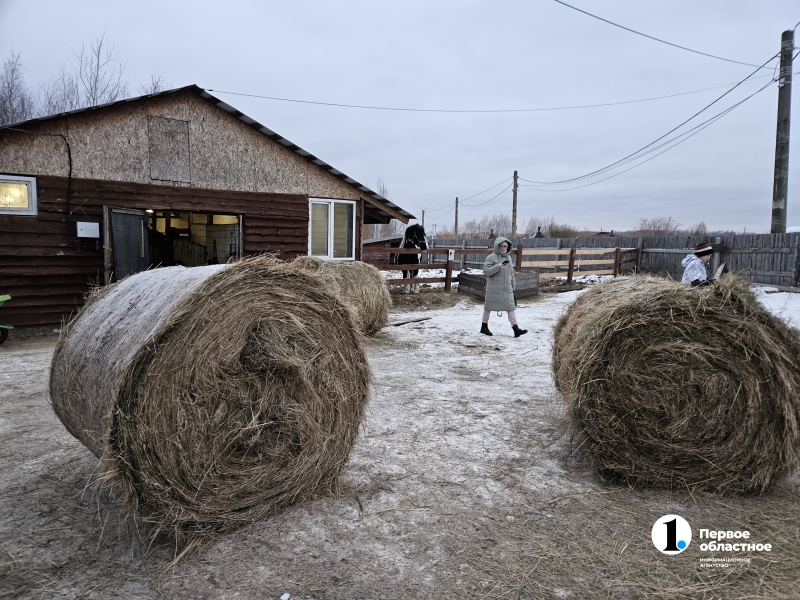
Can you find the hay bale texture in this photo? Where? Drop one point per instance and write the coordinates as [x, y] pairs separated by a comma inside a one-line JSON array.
[[360, 285], [679, 387], [215, 396]]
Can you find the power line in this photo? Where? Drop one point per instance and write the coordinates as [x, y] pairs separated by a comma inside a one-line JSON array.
[[490, 201], [486, 190], [477, 111], [452, 207], [686, 135], [616, 163], [738, 62]]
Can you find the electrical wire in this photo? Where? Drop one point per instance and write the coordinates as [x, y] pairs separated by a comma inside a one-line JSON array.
[[451, 206], [738, 62], [490, 200], [686, 135], [632, 154], [478, 111]]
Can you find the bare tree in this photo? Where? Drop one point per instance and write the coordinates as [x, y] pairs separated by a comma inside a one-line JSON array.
[[393, 228], [60, 94], [561, 230], [656, 226], [16, 101], [101, 80], [550, 228], [157, 84], [699, 229], [95, 78]]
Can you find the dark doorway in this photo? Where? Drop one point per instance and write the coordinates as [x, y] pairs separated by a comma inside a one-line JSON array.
[[129, 244]]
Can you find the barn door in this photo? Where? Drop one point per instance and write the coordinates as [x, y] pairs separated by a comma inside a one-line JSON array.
[[127, 252]]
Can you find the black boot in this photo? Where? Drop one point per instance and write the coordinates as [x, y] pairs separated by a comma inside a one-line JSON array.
[[485, 329], [518, 332]]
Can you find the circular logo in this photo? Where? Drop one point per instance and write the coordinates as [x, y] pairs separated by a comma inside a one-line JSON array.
[[672, 534]]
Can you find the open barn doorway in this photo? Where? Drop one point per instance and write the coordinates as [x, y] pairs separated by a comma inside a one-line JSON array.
[[193, 239], [145, 239]]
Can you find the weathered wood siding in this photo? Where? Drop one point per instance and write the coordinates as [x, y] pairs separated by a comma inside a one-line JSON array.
[[47, 273], [132, 142]]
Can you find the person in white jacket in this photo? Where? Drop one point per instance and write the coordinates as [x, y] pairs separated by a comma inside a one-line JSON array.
[[695, 265]]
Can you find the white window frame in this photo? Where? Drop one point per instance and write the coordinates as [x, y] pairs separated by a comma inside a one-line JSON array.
[[330, 202], [33, 205]]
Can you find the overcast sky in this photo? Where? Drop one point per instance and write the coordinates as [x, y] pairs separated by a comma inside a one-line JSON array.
[[471, 55]]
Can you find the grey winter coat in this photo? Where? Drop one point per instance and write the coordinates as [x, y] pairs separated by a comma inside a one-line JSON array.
[[500, 283], [695, 269]]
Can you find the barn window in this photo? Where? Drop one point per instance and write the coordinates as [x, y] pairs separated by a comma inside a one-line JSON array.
[[17, 195], [332, 232]]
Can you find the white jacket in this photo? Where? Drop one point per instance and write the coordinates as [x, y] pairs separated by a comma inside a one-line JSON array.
[[695, 269]]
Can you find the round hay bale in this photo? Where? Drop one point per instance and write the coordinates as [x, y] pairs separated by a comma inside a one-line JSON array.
[[680, 387], [215, 396], [360, 284]]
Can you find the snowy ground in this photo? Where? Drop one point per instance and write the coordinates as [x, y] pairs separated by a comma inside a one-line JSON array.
[[465, 483]]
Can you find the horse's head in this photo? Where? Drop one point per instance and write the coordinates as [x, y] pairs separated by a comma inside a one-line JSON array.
[[415, 235]]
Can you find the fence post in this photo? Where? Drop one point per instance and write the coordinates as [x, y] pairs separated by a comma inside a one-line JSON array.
[[715, 257], [463, 256], [617, 261], [448, 272], [796, 277], [519, 257], [571, 266]]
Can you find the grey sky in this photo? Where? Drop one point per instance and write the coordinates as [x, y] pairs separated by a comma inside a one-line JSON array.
[[470, 55]]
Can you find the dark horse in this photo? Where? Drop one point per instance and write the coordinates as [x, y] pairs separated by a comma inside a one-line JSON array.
[[414, 238]]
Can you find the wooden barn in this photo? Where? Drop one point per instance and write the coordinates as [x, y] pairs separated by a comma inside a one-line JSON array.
[[179, 177]]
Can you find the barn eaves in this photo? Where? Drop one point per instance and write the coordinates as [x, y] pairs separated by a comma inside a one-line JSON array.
[[382, 206]]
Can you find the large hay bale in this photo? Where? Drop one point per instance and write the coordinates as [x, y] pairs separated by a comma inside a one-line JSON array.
[[360, 284], [215, 396], [680, 387]]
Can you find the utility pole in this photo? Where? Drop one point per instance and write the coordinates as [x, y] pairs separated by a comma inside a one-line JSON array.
[[514, 214], [780, 187], [423, 218], [455, 229]]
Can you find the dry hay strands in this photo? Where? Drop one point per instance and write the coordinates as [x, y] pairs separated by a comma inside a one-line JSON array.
[[680, 387], [360, 285], [215, 396]]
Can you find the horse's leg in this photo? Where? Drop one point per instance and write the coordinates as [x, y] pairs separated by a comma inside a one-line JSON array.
[[415, 287], [406, 288]]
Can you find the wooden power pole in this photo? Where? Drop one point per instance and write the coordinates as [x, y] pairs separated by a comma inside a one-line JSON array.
[[455, 229], [514, 214], [780, 186]]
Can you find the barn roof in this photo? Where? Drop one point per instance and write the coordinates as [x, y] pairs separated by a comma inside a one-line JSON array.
[[383, 205]]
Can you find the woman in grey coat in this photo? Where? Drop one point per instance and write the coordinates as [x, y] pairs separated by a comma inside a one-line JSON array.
[[499, 271]]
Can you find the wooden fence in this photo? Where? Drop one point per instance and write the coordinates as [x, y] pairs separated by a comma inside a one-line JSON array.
[[763, 258], [622, 260], [581, 261]]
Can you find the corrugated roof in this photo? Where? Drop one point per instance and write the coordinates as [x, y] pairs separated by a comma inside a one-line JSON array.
[[373, 197]]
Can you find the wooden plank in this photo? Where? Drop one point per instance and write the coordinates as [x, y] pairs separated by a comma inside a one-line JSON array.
[[419, 267], [598, 252], [529, 252], [546, 263], [602, 261], [415, 280]]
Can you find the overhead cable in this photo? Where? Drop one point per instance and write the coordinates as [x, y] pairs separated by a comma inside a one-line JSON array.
[[686, 135], [614, 164], [738, 62], [476, 111]]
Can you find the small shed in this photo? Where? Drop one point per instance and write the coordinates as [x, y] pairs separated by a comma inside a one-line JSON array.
[[178, 177]]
